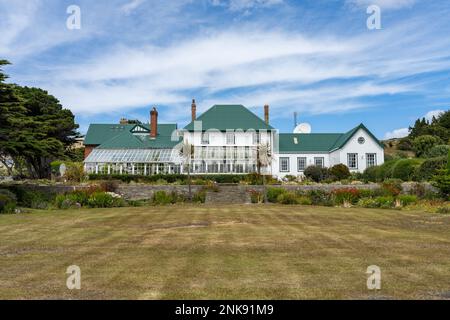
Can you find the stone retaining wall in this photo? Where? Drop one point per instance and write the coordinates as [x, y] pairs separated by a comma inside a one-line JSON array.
[[145, 191]]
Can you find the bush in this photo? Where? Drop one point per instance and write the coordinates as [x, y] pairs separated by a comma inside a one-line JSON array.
[[350, 195], [54, 167], [199, 197], [385, 202], [316, 173], [405, 144], [372, 174], [304, 200], [72, 200], [7, 203], [430, 167], [392, 187], [320, 197], [75, 172], [442, 182], [405, 169], [385, 170], [170, 178], [9, 194], [441, 150], [340, 172], [109, 185], [27, 197], [287, 198], [406, 199], [105, 200], [256, 196], [162, 198], [443, 210], [368, 203], [273, 193], [423, 144]]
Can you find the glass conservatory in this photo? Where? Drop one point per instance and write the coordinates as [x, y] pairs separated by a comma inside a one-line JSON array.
[[133, 161], [205, 160]]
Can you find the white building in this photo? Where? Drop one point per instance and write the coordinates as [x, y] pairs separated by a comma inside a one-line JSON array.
[[225, 140]]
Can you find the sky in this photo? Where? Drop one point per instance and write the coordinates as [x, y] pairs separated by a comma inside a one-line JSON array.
[[314, 57]]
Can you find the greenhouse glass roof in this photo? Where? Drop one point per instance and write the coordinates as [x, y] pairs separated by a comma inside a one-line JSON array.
[[133, 156]]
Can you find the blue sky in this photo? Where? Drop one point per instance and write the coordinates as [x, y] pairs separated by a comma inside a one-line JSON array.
[[315, 57]]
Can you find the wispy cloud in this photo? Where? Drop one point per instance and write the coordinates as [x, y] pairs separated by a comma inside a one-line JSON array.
[[396, 134], [384, 4], [131, 6]]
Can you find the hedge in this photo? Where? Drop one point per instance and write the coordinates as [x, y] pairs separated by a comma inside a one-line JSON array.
[[170, 178]]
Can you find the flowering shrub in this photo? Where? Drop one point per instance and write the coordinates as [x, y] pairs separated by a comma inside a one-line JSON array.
[[349, 195], [256, 196]]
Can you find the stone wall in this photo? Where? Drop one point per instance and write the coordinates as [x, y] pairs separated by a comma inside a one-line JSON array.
[[145, 191]]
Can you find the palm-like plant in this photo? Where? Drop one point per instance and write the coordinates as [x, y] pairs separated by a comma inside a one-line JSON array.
[[186, 153], [264, 160]]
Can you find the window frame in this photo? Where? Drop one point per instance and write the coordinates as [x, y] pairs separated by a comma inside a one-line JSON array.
[[356, 161], [228, 135], [299, 169], [322, 159], [256, 138], [374, 160], [205, 138], [288, 164]]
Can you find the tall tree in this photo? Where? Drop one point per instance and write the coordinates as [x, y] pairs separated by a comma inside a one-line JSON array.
[[46, 130]]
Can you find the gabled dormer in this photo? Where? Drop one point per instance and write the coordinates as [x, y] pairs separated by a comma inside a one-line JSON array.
[[140, 130]]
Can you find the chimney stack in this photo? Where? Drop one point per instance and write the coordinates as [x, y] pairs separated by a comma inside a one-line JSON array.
[[266, 113], [153, 123], [194, 110]]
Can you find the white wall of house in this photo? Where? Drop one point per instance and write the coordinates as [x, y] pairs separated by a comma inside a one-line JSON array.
[[370, 146], [294, 169], [219, 139]]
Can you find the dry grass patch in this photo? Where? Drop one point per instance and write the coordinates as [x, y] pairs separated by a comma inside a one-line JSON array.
[[226, 252]]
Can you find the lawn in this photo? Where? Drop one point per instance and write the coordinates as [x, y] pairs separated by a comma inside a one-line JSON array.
[[226, 252]]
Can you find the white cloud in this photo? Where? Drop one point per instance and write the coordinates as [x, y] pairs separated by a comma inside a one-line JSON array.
[[398, 133], [384, 4], [433, 113], [131, 6]]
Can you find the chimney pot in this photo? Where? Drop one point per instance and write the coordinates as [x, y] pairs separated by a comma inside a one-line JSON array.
[[266, 113], [153, 123], [194, 110]]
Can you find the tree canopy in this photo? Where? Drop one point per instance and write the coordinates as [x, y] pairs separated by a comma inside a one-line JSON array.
[[35, 129]]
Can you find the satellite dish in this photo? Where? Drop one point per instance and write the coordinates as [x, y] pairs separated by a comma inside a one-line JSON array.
[[303, 128]]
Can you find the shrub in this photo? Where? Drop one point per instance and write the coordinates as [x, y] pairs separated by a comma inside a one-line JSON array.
[[385, 202], [287, 198], [9, 194], [273, 193], [7, 204], [404, 169], [170, 178], [162, 198], [372, 174], [199, 197], [54, 167], [423, 144], [340, 172], [442, 182], [320, 197], [441, 150], [406, 199], [368, 203], [405, 144], [385, 170], [256, 196], [350, 195], [430, 167], [392, 187], [105, 200], [75, 172], [304, 200], [290, 178], [316, 173]]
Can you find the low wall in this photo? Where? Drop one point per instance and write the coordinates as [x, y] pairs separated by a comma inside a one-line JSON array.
[[146, 191]]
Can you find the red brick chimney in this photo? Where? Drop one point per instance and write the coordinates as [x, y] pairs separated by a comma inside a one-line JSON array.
[[194, 110], [266, 113], [153, 123]]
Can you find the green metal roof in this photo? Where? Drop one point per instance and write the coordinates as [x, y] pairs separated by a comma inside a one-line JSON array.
[[229, 117], [317, 142], [117, 136]]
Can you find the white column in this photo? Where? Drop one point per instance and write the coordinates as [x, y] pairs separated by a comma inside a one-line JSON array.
[[109, 169], [96, 169], [145, 169], [132, 169], [157, 168], [121, 169]]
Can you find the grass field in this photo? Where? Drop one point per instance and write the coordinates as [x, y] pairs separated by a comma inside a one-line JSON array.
[[228, 252]]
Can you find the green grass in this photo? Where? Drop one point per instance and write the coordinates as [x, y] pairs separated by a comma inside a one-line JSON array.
[[226, 252]]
